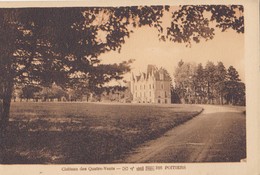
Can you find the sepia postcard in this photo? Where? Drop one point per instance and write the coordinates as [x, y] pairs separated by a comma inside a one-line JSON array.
[[129, 87]]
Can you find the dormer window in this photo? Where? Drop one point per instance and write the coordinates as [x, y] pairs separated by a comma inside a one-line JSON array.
[[161, 76]]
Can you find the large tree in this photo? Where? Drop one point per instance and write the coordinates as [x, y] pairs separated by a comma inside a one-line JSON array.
[[234, 88], [40, 46], [220, 79], [200, 84], [28, 92], [210, 70], [184, 79]]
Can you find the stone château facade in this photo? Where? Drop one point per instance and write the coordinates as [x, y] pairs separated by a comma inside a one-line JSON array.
[[154, 86]]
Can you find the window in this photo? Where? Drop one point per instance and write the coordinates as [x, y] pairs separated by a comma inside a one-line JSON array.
[[149, 86], [153, 86], [162, 86], [159, 101], [144, 86], [161, 76], [165, 94], [140, 86], [150, 93], [136, 94], [165, 100]]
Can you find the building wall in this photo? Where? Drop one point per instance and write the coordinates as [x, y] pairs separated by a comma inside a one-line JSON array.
[[150, 90], [143, 91], [163, 92]]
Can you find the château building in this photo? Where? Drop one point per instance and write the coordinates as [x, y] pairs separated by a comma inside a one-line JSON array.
[[154, 86]]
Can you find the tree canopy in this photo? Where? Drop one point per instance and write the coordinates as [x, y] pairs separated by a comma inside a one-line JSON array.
[[212, 84]]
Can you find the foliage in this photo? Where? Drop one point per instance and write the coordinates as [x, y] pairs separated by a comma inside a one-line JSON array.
[[212, 84], [53, 92], [28, 92], [235, 89], [191, 24], [184, 80]]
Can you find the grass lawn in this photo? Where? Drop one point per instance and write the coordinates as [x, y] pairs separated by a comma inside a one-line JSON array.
[[63, 133]]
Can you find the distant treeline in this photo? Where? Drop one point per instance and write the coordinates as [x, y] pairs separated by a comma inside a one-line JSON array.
[[212, 84], [57, 93], [41, 93]]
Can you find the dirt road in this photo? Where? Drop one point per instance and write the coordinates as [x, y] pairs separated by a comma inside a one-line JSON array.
[[218, 134]]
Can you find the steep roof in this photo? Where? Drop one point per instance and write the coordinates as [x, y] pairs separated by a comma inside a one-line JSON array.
[[153, 71]]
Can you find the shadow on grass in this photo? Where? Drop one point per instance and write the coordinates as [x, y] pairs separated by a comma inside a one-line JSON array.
[[92, 141], [66, 147]]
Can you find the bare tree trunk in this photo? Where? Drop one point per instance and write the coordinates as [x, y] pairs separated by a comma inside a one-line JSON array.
[[7, 97], [5, 113], [221, 96], [4, 116], [1, 134], [208, 91]]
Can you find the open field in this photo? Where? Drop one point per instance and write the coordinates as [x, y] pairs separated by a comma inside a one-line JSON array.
[[86, 132]]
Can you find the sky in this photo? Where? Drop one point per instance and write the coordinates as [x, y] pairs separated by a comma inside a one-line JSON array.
[[145, 48]]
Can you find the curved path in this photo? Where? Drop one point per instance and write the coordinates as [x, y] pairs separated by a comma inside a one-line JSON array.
[[218, 134]]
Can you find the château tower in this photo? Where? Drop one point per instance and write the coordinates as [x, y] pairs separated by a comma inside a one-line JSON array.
[[154, 86]]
